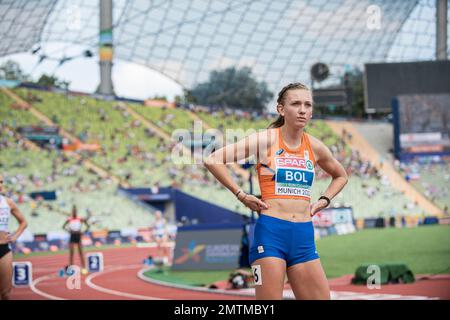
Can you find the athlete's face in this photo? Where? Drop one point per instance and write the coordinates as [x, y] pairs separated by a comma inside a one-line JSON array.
[[296, 107]]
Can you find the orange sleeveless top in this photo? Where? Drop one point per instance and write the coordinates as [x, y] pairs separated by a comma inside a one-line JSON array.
[[287, 174]]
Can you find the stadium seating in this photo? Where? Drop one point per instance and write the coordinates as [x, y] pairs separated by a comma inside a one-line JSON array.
[[143, 159], [27, 171], [431, 179], [167, 119]]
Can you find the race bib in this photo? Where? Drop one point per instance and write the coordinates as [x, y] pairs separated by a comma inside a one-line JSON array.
[[294, 176], [75, 225], [4, 218]]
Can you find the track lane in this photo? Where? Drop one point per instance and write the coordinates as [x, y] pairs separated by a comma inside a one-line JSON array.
[[120, 280]]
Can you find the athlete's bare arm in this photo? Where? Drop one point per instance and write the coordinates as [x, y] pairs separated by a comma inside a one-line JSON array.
[[252, 145], [65, 225], [88, 226], [330, 165], [20, 218]]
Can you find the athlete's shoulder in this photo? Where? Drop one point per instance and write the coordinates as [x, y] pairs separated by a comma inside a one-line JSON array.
[[315, 142], [10, 202], [317, 146]]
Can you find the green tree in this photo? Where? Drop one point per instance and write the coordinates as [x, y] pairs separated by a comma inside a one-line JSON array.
[[52, 81], [188, 97], [11, 70], [231, 88], [157, 97]]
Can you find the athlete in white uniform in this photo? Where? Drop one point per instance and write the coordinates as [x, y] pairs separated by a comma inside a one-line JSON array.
[[73, 226], [160, 233], [7, 208]]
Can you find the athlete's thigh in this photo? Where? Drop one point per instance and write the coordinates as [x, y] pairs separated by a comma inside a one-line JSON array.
[[6, 272], [308, 281], [269, 276]]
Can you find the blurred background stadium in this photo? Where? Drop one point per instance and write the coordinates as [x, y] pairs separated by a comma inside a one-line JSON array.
[[93, 94]]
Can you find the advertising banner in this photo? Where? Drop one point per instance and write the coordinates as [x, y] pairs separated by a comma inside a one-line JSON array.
[[207, 249], [334, 221]]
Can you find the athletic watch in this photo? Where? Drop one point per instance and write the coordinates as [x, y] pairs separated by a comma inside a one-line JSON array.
[[326, 198], [238, 192]]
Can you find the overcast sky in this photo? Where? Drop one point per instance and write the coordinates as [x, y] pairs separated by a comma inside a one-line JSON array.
[[130, 80]]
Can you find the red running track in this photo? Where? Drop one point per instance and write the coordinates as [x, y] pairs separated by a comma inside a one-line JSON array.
[[119, 280]]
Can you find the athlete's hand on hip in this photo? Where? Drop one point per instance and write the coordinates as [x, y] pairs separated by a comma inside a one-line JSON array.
[[317, 206], [4, 237], [252, 202], [11, 238]]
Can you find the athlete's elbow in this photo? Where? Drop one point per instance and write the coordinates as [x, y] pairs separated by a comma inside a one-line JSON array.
[[23, 224], [344, 178], [341, 177], [210, 161]]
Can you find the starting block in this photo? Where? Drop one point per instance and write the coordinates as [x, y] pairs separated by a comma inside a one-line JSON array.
[[148, 261], [68, 271], [62, 272], [161, 261], [22, 274], [94, 261], [156, 261]]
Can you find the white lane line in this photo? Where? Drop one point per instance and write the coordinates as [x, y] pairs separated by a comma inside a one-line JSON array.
[[287, 293], [42, 293], [349, 295], [116, 292], [242, 293]]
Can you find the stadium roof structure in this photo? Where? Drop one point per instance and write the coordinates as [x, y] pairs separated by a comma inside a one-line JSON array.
[[186, 39]]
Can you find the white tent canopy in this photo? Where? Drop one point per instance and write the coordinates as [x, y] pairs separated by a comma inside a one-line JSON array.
[[186, 39]]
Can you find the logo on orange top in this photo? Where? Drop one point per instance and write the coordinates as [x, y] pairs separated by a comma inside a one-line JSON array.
[[299, 163], [309, 164]]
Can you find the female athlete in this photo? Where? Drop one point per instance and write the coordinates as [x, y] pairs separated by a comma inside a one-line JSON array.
[[160, 233], [284, 234], [7, 207], [74, 224]]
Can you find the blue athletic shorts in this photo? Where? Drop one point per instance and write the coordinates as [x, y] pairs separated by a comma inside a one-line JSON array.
[[291, 241]]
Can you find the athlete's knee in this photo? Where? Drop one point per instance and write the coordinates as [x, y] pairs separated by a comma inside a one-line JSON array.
[[325, 293], [268, 293]]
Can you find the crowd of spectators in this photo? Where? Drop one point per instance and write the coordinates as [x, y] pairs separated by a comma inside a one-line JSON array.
[[121, 146]]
